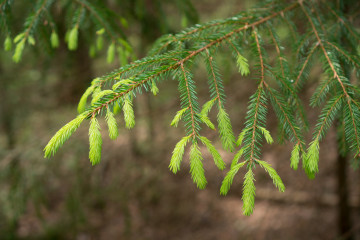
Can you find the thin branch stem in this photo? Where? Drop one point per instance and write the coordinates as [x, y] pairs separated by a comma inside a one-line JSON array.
[[278, 51], [192, 112], [323, 124], [214, 78], [305, 63]]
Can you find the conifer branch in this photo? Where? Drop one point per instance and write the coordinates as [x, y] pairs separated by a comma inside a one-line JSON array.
[[195, 53], [258, 102], [327, 116], [199, 29], [252, 123], [92, 10], [337, 77], [301, 43], [218, 94], [145, 61], [281, 59], [304, 65], [34, 19], [190, 106], [293, 95], [353, 59], [174, 55], [319, 20], [321, 91], [340, 19], [278, 103], [262, 68], [218, 98], [290, 26]]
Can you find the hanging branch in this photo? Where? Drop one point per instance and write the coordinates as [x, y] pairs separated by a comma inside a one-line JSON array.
[[175, 57]]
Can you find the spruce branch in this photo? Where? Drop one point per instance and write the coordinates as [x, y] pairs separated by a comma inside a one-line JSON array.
[[191, 101], [196, 167], [95, 141], [281, 58], [353, 59], [248, 196], [62, 135], [112, 33], [30, 25], [285, 117], [195, 30], [291, 93], [194, 53], [348, 98], [343, 21], [327, 116], [173, 56], [305, 64], [217, 92]]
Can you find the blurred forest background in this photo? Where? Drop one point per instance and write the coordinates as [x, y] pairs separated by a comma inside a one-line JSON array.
[[131, 194]]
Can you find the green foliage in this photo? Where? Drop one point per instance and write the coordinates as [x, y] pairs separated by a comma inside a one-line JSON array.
[[327, 116], [154, 88], [85, 18], [229, 178], [243, 65], [19, 50], [177, 117], [95, 141], [62, 135], [225, 130], [241, 137], [295, 157], [98, 95], [196, 166], [237, 157], [112, 125], [217, 93], [54, 39], [83, 99], [123, 83], [267, 135], [207, 121], [248, 196], [7, 43], [73, 38], [207, 107], [178, 154], [111, 53], [255, 120], [273, 174], [279, 80], [312, 157], [128, 114], [215, 154]]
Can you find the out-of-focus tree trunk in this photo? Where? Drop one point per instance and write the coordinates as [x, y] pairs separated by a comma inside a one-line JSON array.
[[7, 113], [76, 72], [344, 211]]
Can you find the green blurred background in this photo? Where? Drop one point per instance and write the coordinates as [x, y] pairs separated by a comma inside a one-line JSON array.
[[131, 194]]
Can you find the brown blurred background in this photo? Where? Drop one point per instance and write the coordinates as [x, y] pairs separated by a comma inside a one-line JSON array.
[[131, 194]]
